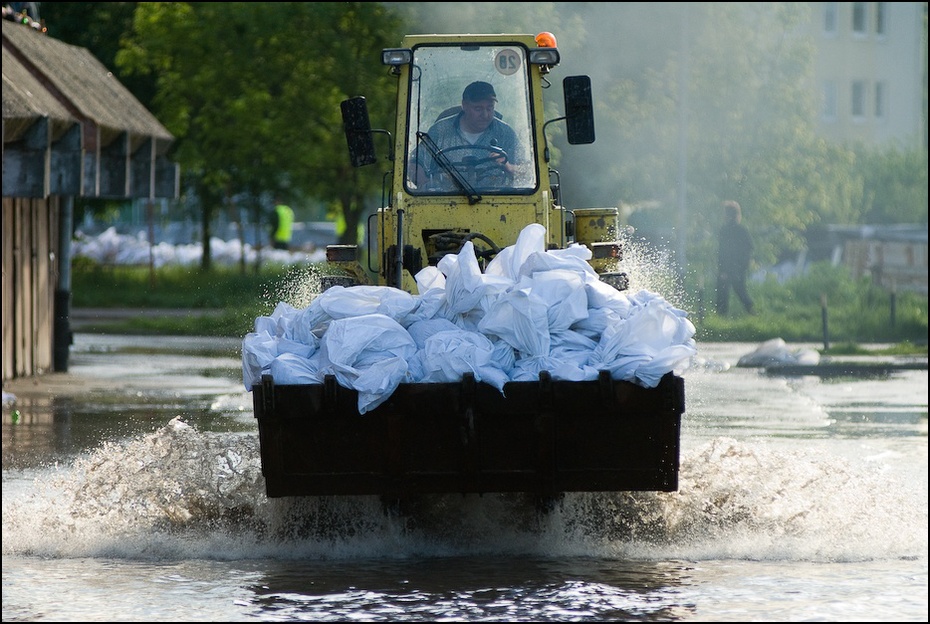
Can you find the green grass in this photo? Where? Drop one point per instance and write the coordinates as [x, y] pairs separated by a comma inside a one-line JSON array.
[[857, 311], [224, 301], [902, 348]]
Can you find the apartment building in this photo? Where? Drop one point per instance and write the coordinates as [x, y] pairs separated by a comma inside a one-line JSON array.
[[870, 68]]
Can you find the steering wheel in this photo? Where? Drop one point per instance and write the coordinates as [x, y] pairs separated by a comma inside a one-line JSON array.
[[499, 154], [485, 168]]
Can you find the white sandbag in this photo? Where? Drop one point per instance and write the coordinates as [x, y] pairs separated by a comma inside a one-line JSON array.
[[603, 295], [447, 355], [259, 349], [341, 302], [564, 294], [675, 358], [507, 263], [775, 351], [532, 310], [306, 325], [572, 340], [430, 304], [428, 278], [375, 384], [653, 331], [504, 354], [521, 319], [575, 250], [528, 369], [300, 349], [277, 321], [559, 259], [464, 286], [598, 320], [468, 290], [365, 339], [575, 351], [421, 330], [291, 368], [352, 346]]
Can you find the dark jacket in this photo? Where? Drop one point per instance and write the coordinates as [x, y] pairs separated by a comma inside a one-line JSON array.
[[447, 132], [735, 249]]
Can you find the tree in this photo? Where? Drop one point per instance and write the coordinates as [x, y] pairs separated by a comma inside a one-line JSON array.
[[252, 92], [739, 80], [342, 60], [895, 184]]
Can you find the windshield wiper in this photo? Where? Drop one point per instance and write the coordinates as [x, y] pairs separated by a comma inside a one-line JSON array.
[[448, 167]]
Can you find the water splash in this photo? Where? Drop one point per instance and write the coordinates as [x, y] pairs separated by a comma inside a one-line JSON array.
[[650, 268], [181, 493], [298, 288], [747, 500]]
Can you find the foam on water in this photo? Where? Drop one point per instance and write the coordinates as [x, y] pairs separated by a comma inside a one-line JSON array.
[[181, 493]]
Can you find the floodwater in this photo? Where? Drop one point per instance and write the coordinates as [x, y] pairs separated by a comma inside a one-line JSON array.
[[132, 491]]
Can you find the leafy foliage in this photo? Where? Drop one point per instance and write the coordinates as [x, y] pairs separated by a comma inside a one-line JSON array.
[[263, 114], [895, 184]]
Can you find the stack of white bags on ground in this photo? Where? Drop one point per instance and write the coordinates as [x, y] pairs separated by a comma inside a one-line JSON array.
[[531, 310]]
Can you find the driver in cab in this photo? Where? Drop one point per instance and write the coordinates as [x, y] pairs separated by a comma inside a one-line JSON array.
[[462, 138]]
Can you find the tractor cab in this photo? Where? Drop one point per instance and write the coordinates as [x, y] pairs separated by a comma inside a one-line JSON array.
[[470, 150]]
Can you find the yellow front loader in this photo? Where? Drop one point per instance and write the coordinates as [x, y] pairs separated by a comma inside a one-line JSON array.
[[542, 437]]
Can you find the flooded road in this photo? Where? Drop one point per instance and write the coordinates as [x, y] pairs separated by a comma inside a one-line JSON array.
[[132, 491]]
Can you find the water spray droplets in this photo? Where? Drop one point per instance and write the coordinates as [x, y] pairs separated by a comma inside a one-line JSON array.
[[650, 268]]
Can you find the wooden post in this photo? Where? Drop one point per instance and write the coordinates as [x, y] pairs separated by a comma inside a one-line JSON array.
[[150, 214], [823, 316], [894, 301], [700, 301]]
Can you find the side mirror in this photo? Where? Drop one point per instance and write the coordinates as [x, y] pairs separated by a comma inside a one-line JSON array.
[[579, 109], [358, 131]]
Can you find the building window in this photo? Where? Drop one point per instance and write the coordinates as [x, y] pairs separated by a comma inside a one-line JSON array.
[[880, 96], [859, 18], [858, 99], [829, 100], [829, 18], [881, 15]]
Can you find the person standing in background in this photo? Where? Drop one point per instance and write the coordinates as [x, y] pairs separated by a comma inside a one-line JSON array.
[[282, 225], [733, 255]]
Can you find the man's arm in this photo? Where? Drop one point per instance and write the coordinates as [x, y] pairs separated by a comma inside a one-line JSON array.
[[515, 164]]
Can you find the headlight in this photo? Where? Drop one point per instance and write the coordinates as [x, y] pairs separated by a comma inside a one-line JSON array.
[[396, 56], [544, 56]]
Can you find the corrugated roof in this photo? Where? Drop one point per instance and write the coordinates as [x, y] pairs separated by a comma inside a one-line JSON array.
[[26, 100], [89, 89]]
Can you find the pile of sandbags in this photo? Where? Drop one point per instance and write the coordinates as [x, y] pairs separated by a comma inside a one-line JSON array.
[[530, 310]]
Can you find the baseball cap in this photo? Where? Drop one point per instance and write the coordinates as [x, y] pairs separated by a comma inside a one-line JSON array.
[[477, 91]]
